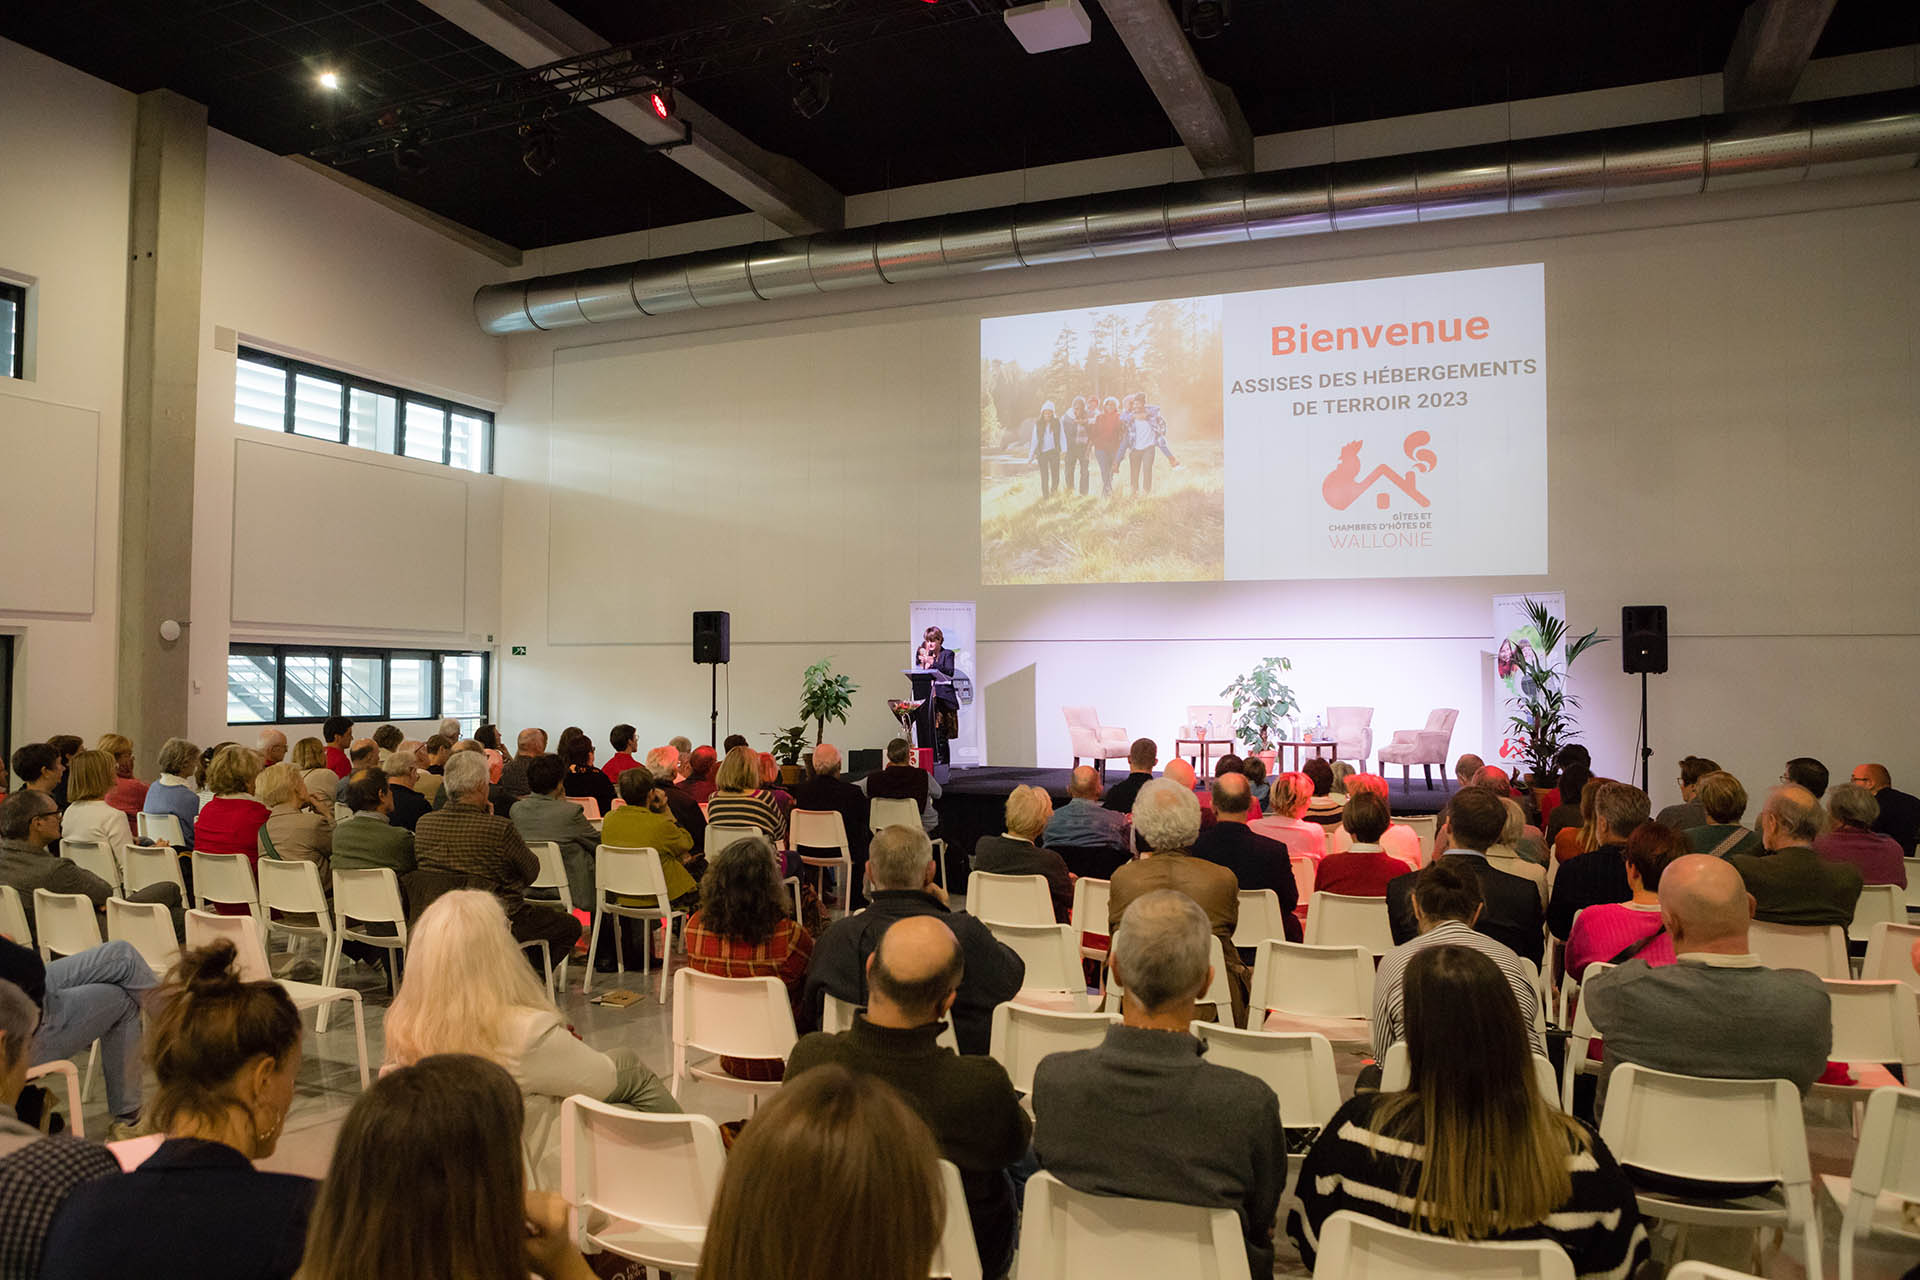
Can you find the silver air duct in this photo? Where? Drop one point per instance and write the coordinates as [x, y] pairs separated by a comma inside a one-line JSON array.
[[1682, 157]]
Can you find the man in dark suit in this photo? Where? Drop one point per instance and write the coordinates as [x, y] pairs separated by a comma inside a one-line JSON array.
[[1257, 861], [1141, 757], [1599, 877], [827, 791], [1899, 812], [409, 806], [1510, 914]]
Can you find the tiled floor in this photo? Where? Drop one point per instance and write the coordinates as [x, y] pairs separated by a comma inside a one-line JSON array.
[[328, 1085]]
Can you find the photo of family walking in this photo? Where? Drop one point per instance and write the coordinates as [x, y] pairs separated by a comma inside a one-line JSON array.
[[1100, 445]]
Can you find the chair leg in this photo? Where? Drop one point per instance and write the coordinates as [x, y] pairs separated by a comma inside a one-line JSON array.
[[329, 970], [1427, 769], [593, 952], [666, 954], [360, 1037]]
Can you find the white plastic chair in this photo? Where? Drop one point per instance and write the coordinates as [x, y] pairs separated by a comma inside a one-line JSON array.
[[1219, 993], [67, 924], [1305, 869], [588, 806], [164, 827], [631, 873], [1297, 1066], [204, 927], [1260, 917], [897, 811], [1707, 1271], [1886, 1173], [1874, 1023], [640, 1184], [1581, 1036], [13, 917], [293, 887], [370, 895], [1396, 1073], [956, 1257], [1342, 920], [1913, 883], [824, 829], [1817, 948], [998, 899], [91, 855], [1089, 914], [729, 1017], [1051, 953], [1425, 826], [1877, 904], [552, 875], [148, 926], [148, 865], [1022, 1035], [1356, 1247], [1890, 954], [224, 878], [1746, 1131], [1067, 1235], [1307, 988], [721, 834], [836, 1015], [63, 1067]]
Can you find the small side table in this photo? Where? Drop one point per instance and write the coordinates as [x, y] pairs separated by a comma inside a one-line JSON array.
[[1322, 748], [1202, 763]]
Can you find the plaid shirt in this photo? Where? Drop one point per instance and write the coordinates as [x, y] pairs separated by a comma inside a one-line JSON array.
[[466, 840], [35, 1178], [783, 955]]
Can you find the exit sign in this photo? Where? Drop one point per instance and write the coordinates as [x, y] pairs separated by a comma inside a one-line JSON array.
[[519, 651]]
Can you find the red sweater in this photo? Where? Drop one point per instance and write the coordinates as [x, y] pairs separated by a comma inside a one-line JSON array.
[[619, 764], [1358, 874], [230, 824], [339, 762]]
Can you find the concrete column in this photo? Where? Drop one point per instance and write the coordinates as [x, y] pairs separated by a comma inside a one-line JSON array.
[[162, 396]]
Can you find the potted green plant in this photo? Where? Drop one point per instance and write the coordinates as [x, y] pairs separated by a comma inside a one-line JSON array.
[[1261, 703], [1543, 722], [788, 745], [825, 696]]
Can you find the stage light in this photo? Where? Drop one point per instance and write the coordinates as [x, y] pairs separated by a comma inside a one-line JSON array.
[[660, 102], [812, 87], [408, 158], [542, 152], [1205, 19], [329, 80]]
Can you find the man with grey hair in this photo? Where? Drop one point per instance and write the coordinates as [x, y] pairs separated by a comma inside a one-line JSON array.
[[901, 779], [684, 745], [513, 779], [1167, 817], [900, 883], [827, 792], [272, 746], [29, 824], [1089, 836], [1790, 883], [449, 729], [36, 1171], [1145, 1114], [668, 768], [402, 769]]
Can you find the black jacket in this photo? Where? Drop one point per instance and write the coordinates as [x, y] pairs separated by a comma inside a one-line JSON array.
[[1899, 818], [1509, 912], [1120, 795], [1257, 861], [1587, 881], [408, 806]]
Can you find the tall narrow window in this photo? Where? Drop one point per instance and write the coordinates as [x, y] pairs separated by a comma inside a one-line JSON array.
[[426, 433], [253, 684], [317, 407], [13, 331], [260, 395]]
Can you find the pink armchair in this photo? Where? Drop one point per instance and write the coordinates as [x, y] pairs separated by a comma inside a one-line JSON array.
[[1352, 729], [1425, 747], [1097, 742]]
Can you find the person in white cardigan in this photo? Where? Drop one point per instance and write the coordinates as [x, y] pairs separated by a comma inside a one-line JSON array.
[[89, 817], [469, 989]]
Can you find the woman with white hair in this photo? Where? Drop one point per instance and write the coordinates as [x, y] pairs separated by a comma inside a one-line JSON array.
[[468, 989], [174, 791], [1018, 852]]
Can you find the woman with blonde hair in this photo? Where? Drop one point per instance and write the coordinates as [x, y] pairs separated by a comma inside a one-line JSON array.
[[740, 801], [468, 989], [1471, 1150], [231, 821], [89, 818], [1290, 795], [128, 793], [1571, 842], [833, 1146], [299, 826], [1018, 852], [309, 756]]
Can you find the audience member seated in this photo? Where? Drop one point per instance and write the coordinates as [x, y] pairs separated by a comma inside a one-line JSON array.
[[402, 770], [1256, 770], [1899, 812], [739, 800], [1504, 854], [913, 976], [900, 779], [1291, 794], [37, 1172], [128, 793], [900, 883], [433, 762], [545, 815], [1573, 769], [29, 823], [731, 741], [1017, 852], [88, 816], [1091, 838], [1257, 861], [1141, 757], [684, 745], [827, 790], [270, 745], [1688, 814], [1168, 819], [584, 779], [337, 732], [231, 821], [1805, 771], [96, 994], [645, 821], [174, 791], [1599, 876], [1722, 801], [467, 990], [513, 775], [836, 1176], [470, 848], [367, 838], [1718, 1011], [299, 826], [1616, 932], [1398, 841], [388, 737], [664, 763], [66, 746], [310, 757], [744, 928], [1366, 868], [1466, 767], [770, 784], [427, 1168], [1510, 906], [700, 769], [1790, 883], [488, 736], [40, 768], [1324, 805], [225, 1054], [1852, 839], [1446, 904], [621, 740], [1471, 1150], [1145, 1114]]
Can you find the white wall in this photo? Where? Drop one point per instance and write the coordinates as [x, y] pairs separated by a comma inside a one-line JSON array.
[[1732, 429]]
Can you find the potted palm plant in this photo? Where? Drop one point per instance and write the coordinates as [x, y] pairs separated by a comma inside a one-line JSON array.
[[1261, 703], [1543, 718], [788, 745], [825, 696]]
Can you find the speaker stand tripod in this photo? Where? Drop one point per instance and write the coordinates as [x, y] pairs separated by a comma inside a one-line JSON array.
[[713, 716], [1646, 748]]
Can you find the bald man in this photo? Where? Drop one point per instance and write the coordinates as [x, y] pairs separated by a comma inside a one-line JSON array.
[[1790, 883], [1257, 861], [913, 976], [513, 779], [1899, 812], [827, 791], [1089, 836], [1718, 1011]]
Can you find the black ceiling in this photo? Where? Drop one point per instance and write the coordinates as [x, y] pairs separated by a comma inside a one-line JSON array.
[[921, 92]]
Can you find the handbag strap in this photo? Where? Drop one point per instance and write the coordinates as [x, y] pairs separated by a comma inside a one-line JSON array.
[[1721, 850], [1627, 953]]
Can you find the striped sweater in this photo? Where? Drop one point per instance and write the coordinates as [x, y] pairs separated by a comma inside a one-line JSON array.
[[1353, 1168]]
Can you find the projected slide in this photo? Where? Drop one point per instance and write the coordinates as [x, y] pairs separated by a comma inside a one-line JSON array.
[[1368, 429]]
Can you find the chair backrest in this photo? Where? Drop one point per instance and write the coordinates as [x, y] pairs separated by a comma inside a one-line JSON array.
[[293, 886], [1876, 1022], [1260, 916], [1913, 883], [1305, 867], [13, 916], [161, 826], [1066, 1233], [1220, 714], [1000, 899], [1877, 904], [224, 878], [553, 870], [1341, 920], [204, 927], [892, 811], [818, 829], [1218, 993], [1022, 1035], [1396, 1073], [739, 1017], [1440, 720], [369, 895], [1887, 1160], [1423, 825], [148, 926], [91, 855], [1712, 1130], [1707, 1271], [1356, 1247], [721, 834], [956, 1257], [659, 1170], [629, 871], [149, 866], [1352, 731], [1890, 953], [1051, 953], [1297, 1066], [1082, 718], [67, 923], [1322, 982], [588, 806], [1817, 948], [1090, 899]]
